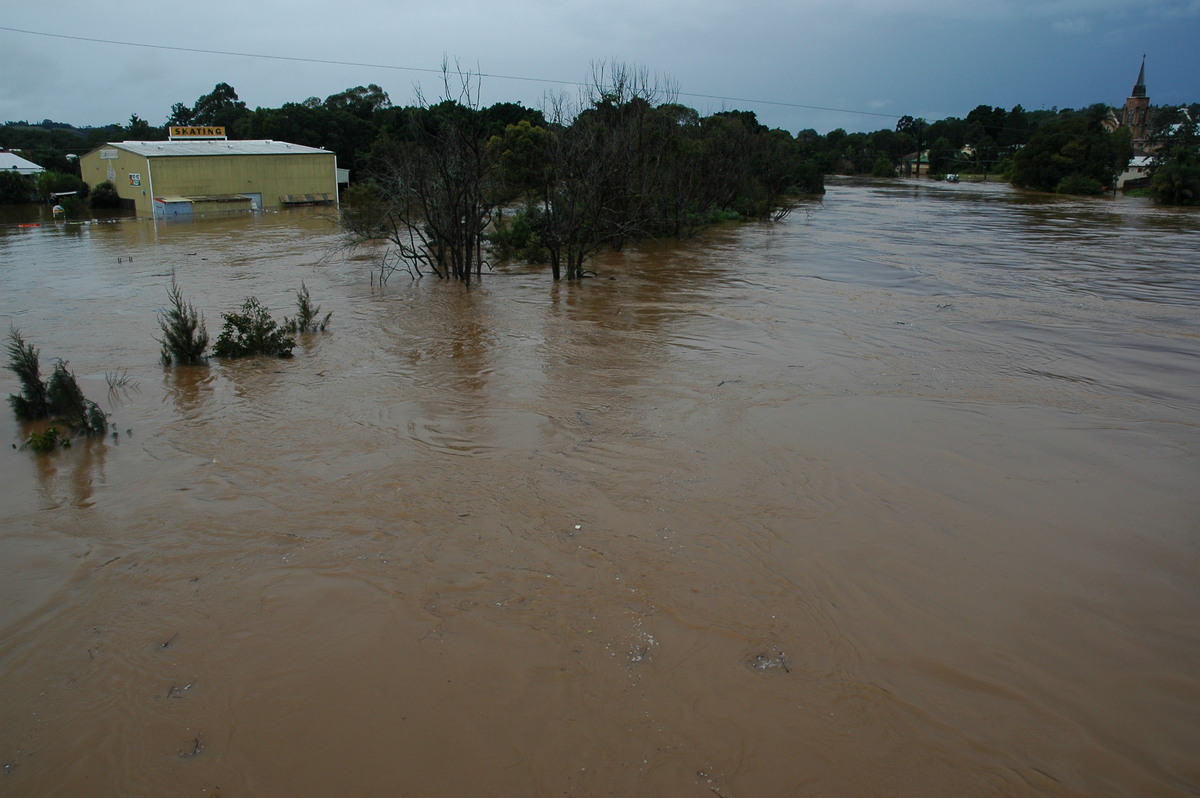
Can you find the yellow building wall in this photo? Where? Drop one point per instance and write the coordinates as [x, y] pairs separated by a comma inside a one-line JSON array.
[[140, 179], [269, 175], [130, 176]]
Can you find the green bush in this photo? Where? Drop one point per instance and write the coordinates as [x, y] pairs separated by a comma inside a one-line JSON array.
[[810, 178], [883, 167], [252, 332], [104, 195], [47, 441], [23, 360], [70, 406], [306, 314], [16, 188], [73, 208], [1177, 180], [51, 183], [184, 335], [60, 398], [516, 236], [1078, 184]]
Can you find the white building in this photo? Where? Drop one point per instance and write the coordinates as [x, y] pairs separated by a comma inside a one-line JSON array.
[[1137, 173], [11, 162]]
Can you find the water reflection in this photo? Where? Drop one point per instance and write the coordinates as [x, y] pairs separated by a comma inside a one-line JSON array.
[[189, 387], [69, 477]]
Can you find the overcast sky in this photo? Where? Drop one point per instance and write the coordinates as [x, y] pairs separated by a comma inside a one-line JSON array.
[[822, 64]]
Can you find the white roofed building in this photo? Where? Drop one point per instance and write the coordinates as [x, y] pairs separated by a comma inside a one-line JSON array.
[[11, 162], [1137, 173]]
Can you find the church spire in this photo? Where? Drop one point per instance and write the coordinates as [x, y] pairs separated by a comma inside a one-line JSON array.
[[1139, 88], [1137, 110]]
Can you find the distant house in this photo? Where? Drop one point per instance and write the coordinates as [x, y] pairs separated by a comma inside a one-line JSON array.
[[914, 162], [1136, 174], [172, 178], [11, 162]]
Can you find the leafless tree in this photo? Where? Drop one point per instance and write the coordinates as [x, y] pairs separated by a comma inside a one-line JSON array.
[[603, 160], [431, 199]]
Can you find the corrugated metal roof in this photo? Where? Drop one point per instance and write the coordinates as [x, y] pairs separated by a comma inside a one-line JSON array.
[[152, 149], [11, 162]]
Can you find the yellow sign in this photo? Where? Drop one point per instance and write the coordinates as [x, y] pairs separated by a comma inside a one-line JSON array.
[[185, 132]]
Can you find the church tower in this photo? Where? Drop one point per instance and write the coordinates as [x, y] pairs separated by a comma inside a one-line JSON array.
[[1137, 110]]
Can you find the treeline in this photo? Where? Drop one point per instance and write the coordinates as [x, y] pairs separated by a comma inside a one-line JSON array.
[[352, 123]]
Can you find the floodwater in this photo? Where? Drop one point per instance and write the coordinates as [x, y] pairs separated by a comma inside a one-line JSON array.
[[897, 497]]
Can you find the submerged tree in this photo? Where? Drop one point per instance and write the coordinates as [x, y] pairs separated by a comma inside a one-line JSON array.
[[23, 360], [60, 398], [632, 164], [431, 198], [622, 164], [184, 335]]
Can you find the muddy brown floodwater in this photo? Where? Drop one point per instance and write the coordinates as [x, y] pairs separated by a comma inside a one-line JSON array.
[[898, 497]]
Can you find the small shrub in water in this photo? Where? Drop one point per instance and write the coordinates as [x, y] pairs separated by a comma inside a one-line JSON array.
[[306, 314], [32, 403], [59, 398], [71, 406], [47, 441], [184, 335], [252, 332]]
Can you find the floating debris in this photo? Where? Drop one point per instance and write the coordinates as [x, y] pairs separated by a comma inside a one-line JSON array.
[[178, 692], [197, 747], [770, 659]]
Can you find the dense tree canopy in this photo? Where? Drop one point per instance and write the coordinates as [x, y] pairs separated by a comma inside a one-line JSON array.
[[746, 167], [628, 164], [221, 107], [1176, 178], [1073, 154], [15, 188]]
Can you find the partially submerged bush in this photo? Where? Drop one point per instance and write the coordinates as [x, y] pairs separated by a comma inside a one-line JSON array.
[[32, 403], [1079, 184], [70, 406], [306, 314], [517, 236], [60, 398], [184, 335], [104, 195], [252, 332], [47, 441]]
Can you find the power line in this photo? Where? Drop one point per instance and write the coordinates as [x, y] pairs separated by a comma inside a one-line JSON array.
[[334, 62]]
